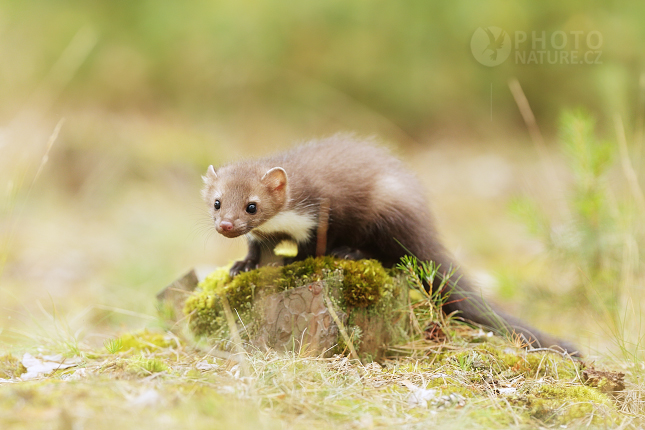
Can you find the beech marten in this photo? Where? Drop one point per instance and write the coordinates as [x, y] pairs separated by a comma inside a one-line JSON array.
[[376, 209]]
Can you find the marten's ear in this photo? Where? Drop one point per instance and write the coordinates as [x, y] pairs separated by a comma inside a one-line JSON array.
[[275, 179], [210, 174]]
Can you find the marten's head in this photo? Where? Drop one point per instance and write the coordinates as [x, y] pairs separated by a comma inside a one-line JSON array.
[[243, 196]]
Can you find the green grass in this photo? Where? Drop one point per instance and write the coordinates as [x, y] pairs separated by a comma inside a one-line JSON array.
[[593, 236]]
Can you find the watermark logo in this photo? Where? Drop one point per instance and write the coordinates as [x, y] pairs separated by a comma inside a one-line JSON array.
[[491, 46]]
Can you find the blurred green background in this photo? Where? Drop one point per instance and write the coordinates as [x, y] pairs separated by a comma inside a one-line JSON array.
[[96, 218]]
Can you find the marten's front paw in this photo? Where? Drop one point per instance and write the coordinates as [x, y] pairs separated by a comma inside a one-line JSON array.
[[243, 266]]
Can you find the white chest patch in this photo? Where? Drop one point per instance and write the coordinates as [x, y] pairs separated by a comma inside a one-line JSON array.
[[295, 224]]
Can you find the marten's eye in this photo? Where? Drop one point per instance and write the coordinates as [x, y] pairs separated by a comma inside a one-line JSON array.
[[251, 208], [217, 205]]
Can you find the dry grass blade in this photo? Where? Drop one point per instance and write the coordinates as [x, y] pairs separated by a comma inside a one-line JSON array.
[[235, 334], [4, 249], [628, 169], [527, 114], [538, 140], [341, 327], [63, 70], [50, 144]]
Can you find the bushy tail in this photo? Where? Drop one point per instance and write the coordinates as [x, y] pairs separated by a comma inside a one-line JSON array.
[[460, 297]]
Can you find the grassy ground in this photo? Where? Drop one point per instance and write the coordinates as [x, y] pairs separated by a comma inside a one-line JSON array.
[[91, 235], [151, 379]]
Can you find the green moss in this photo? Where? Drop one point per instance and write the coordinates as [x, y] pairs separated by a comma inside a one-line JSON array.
[[547, 390], [461, 389], [216, 279], [549, 364], [144, 340], [561, 403], [364, 282], [11, 367], [505, 357], [533, 364]]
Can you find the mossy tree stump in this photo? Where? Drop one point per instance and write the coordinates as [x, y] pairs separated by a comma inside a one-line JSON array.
[[317, 306]]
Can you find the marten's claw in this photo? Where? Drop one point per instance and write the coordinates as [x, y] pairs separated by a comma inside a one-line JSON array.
[[242, 266]]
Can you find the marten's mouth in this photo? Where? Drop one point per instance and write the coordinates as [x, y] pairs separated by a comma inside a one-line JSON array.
[[230, 233]]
